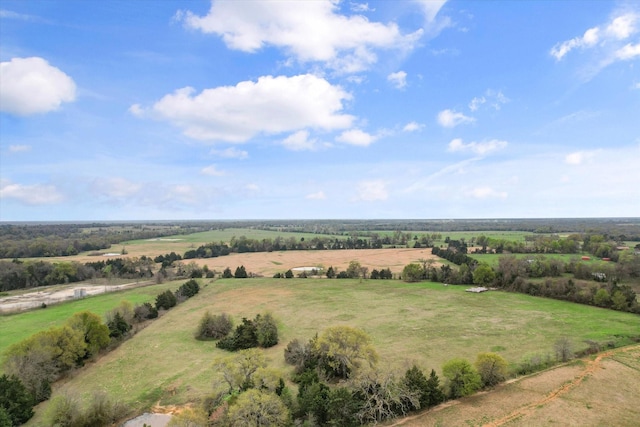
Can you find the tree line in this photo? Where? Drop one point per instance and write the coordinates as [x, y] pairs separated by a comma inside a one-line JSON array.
[[20, 240], [18, 274]]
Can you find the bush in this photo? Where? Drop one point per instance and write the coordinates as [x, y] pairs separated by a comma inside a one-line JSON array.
[[492, 367], [166, 300], [189, 289], [144, 312], [259, 332], [266, 330], [118, 327], [214, 327], [65, 411], [462, 378], [244, 337]]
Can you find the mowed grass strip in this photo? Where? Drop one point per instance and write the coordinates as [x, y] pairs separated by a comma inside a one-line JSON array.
[[423, 323], [16, 327]]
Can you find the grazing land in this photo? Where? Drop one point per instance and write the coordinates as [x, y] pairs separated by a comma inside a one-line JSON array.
[[422, 323]]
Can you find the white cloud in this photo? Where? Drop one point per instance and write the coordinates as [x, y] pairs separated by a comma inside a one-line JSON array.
[[636, 86], [450, 118], [32, 86], [479, 148], [8, 14], [628, 52], [316, 196], [308, 31], [356, 137], [300, 141], [487, 193], [431, 8], [272, 105], [115, 188], [623, 26], [476, 103], [606, 39], [491, 98], [230, 153], [136, 110], [212, 171], [412, 127], [398, 80], [361, 7], [35, 194], [579, 157], [19, 148], [371, 191]]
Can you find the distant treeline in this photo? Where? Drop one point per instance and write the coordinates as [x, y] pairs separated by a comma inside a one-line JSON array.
[[47, 240], [621, 228], [18, 274], [244, 244], [19, 240]]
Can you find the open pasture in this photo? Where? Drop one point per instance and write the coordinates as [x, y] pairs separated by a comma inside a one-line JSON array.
[[492, 259], [423, 323]]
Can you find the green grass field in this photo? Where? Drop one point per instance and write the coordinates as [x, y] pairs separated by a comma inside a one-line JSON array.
[[16, 327], [492, 259], [423, 323]]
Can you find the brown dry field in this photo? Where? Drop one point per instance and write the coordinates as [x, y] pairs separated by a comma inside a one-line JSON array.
[[596, 391], [269, 263]]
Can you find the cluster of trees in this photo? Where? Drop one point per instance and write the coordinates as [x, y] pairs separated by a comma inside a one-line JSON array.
[[262, 331], [37, 361], [338, 384], [240, 273], [168, 299], [167, 260], [19, 274], [457, 255]]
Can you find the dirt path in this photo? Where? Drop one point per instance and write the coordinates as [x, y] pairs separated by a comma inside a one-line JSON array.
[[591, 367]]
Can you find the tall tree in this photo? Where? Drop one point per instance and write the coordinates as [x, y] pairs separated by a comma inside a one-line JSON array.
[[462, 378], [258, 408], [341, 350], [492, 367]]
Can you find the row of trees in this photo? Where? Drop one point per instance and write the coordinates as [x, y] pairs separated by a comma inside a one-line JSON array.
[[19, 274]]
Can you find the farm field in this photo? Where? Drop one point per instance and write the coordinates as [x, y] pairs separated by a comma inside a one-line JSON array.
[[269, 263], [422, 323], [492, 259]]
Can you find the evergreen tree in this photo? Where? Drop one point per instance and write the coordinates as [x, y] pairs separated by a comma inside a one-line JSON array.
[[241, 273], [15, 401]]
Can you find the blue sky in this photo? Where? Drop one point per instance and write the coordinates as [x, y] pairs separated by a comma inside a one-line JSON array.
[[123, 110]]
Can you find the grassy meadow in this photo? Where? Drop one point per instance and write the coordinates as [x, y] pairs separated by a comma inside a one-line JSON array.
[[423, 323], [492, 259]]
